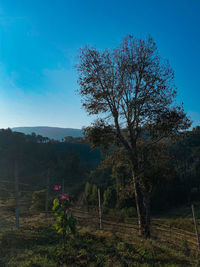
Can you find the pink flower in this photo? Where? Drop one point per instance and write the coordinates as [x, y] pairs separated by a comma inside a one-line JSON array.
[[66, 211], [64, 196], [57, 187]]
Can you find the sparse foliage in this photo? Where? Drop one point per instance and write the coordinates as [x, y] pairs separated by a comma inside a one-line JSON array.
[[132, 89], [66, 223]]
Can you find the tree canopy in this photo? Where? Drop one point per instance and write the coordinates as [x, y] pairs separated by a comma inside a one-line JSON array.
[[131, 89]]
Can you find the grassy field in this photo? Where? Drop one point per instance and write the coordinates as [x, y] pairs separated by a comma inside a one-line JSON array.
[[37, 243], [41, 246]]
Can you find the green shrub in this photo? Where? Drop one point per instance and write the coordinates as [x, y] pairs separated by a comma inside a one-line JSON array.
[[38, 201], [87, 193], [94, 196], [65, 223], [121, 214], [110, 197], [5, 194], [11, 204]]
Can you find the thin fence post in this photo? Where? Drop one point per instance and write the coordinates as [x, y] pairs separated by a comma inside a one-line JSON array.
[[16, 195], [170, 228], [196, 227], [100, 212], [63, 186], [47, 194]]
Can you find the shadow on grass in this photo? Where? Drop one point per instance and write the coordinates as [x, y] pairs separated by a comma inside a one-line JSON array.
[[29, 237], [29, 246], [41, 246], [93, 250]]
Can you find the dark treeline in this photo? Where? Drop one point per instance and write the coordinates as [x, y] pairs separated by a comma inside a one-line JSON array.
[[38, 157], [174, 182]]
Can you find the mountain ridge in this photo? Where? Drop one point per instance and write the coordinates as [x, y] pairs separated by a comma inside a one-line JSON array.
[[57, 133]]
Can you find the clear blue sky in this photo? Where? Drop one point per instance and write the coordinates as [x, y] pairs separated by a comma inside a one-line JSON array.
[[39, 41]]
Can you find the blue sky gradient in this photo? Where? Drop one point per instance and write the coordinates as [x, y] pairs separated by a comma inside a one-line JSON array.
[[40, 39]]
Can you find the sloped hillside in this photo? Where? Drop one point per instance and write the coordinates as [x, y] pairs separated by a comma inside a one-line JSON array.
[[50, 132]]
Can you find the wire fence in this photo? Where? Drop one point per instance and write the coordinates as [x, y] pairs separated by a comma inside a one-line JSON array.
[[166, 234], [171, 236]]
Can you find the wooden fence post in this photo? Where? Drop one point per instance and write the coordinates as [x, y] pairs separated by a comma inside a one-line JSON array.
[[63, 186], [16, 195], [196, 227], [100, 212], [47, 194]]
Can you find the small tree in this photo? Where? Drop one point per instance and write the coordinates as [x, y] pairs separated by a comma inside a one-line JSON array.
[[134, 89], [110, 197], [94, 196], [87, 193], [66, 223]]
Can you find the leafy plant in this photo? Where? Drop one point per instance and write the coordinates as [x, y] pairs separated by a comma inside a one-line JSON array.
[[66, 223]]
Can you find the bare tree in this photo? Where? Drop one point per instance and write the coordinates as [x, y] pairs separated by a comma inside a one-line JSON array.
[[131, 89]]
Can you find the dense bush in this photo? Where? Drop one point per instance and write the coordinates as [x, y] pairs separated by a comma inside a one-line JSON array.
[[38, 201]]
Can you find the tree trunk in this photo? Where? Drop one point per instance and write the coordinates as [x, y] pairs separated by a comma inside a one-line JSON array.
[[143, 211]]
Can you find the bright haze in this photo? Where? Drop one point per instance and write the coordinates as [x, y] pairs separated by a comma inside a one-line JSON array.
[[39, 43]]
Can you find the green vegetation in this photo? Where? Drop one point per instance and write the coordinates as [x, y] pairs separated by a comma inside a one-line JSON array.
[[38, 201], [70, 161], [41, 246], [37, 242], [66, 223], [74, 164]]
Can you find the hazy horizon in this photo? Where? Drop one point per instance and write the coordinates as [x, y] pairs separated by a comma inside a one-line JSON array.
[[43, 126]]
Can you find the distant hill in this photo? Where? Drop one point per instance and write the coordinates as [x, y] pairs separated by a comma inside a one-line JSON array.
[[50, 132]]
